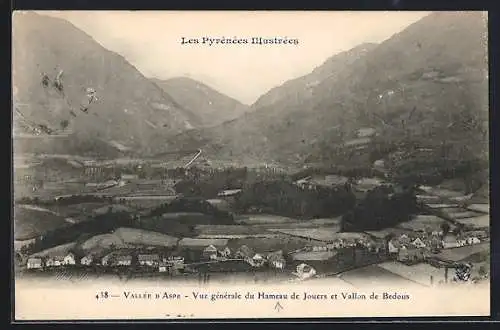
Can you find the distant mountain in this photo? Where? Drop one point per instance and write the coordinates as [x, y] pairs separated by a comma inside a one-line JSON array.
[[425, 88], [207, 106], [296, 91], [68, 85]]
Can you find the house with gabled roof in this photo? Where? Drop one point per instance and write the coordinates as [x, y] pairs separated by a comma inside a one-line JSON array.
[[150, 260], [418, 243], [34, 263]]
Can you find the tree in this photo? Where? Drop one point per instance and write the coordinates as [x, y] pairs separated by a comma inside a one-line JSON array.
[[64, 124], [445, 227], [482, 271]]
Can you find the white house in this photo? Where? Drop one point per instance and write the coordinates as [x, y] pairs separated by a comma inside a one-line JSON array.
[[276, 261], [69, 259], [129, 177], [176, 262], [123, 260], [304, 271], [34, 263], [393, 246], [210, 252], [437, 233], [105, 261], [148, 259], [50, 262], [473, 240], [163, 267], [54, 261], [226, 252], [319, 248], [450, 241], [418, 243], [257, 260], [87, 260]]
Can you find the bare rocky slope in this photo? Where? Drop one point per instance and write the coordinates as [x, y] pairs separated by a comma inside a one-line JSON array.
[[66, 84]]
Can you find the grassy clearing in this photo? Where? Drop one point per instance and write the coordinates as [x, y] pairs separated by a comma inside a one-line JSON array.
[[29, 223]]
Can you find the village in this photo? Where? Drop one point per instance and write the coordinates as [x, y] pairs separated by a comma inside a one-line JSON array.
[[144, 218]]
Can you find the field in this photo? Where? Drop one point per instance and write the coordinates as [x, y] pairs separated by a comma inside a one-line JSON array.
[[113, 208], [462, 214], [483, 208], [229, 230], [145, 237], [127, 237], [419, 273], [80, 212], [254, 219], [461, 253], [307, 256], [30, 223], [421, 222], [262, 245], [387, 231], [202, 242], [59, 250], [374, 276], [477, 222], [102, 242], [321, 234]]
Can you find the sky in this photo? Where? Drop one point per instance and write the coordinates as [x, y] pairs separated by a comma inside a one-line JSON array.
[[151, 41]]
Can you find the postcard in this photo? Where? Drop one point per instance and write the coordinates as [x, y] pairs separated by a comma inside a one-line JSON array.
[[214, 165]]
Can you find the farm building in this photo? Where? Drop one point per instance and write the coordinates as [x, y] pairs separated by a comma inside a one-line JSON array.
[[257, 260], [129, 177], [163, 267], [150, 260], [226, 252], [229, 192], [244, 252], [176, 262], [54, 261], [410, 255], [220, 204], [87, 260], [34, 263], [230, 196], [418, 243], [123, 260], [210, 252], [393, 246], [365, 132], [304, 271], [276, 260]]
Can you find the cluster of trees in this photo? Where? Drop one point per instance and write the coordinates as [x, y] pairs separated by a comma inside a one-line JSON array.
[[101, 224], [195, 205], [208, 185], [281, 197], [78, 199], [381, 207]]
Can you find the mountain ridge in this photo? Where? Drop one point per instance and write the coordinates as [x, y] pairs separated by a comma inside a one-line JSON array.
[[59, 69], [390, 88], [207, 106]]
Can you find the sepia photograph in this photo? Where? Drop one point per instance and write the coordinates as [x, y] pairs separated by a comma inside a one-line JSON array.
[[241, 164]]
